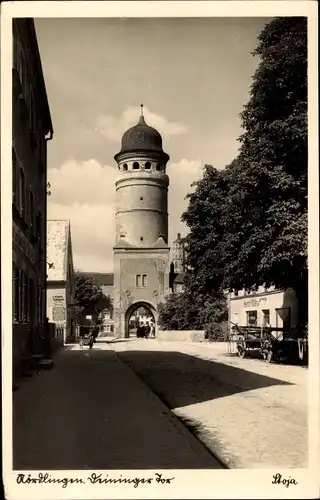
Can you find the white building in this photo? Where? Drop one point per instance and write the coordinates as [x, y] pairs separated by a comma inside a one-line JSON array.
[[60, 279], [265, 307]]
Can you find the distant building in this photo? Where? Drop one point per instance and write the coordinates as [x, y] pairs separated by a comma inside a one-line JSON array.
[[60, 281], [31, 129], [178, 257], [264, 307], [178, 265]]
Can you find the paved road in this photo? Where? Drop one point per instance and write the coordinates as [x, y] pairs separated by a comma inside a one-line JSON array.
[[92, 412], [250, 413]]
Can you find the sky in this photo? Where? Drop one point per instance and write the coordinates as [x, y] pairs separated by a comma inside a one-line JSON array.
[[193, 76]]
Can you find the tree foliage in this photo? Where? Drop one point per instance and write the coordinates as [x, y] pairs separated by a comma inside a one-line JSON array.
[[248, 222], [89, 297]]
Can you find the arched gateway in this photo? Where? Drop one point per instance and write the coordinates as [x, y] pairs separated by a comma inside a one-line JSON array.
[[134, 307], [141, 252]]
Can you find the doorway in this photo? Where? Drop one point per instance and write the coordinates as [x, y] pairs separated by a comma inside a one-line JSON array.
[[140, 314]]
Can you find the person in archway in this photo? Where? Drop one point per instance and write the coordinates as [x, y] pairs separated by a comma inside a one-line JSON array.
[[148, 330], [153, 330], [143, 331]]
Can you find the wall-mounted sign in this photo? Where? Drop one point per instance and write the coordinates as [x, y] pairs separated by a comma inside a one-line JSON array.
[[255, 302], [58, 314], [58, 299]]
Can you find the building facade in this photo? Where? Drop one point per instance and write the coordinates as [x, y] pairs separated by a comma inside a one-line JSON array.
[[141, 251], [60, 281], [31, 130], [265, 307]]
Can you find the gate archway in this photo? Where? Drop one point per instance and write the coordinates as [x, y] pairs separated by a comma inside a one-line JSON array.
[[135, 307]]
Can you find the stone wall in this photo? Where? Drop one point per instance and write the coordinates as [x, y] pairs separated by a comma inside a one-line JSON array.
[[183, 335]]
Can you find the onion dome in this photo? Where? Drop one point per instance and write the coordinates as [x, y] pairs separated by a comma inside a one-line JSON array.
[[141, 138]]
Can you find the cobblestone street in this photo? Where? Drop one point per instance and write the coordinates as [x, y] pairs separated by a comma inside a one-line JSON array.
[[246, 411]]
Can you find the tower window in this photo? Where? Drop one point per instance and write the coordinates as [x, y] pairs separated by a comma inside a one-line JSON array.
[[135, 165], [158, 166], [141, 238], [125, 166], [147, 165], [144, 280], [141, 198], [138, 281]]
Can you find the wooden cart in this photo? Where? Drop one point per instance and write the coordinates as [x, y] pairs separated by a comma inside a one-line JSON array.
[[274, 344]]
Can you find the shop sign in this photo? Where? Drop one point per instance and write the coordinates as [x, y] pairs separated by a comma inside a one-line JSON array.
[[58, 299], [255, 302]]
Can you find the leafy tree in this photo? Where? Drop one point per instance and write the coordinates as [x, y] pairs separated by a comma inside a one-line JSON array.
[[89, 297], [248, 223], [267, 216]]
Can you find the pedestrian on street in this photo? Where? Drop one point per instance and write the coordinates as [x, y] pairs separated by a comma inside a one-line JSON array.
[[81, 342], [148, 330], [91, 340]]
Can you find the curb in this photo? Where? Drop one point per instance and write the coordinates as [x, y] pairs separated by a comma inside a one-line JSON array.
[[199, 447]]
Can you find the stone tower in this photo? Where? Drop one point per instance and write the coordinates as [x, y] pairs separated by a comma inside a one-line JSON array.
[[141, 252], [178, 255]]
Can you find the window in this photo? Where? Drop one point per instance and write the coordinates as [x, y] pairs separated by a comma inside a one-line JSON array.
[[251, 318], [22, 193], [31, 300], [21, 295], [125, 167], [266, 317], [158, 166], [15, 193], [144, 280], [107, 315], [147, 165], [141, 198], [141, 238], [16, 293], [31, 209], [32, 120], [108, 328], [135, 165], [138, 281], [25, 299], [39, 304]]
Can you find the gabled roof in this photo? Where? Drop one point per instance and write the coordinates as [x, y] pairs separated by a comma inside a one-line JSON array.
[[58, 234], [101, 279]]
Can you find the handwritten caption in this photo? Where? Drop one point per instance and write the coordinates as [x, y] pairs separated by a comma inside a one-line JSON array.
[[278, 479], [45, 478]]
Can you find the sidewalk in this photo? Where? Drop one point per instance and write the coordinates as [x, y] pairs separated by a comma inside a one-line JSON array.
[[92, 412]]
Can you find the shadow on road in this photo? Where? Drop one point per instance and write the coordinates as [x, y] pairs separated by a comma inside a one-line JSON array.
[[181, 380], [89, 412]]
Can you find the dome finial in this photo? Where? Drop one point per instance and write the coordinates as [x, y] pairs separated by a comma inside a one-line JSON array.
[[141, 119]]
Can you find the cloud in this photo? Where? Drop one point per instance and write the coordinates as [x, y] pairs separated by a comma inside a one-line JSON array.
[[84, 193], [87, 182], [114, 127]]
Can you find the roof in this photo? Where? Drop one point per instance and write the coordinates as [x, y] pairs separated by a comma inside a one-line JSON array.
[[58, 233], [101, 279], [141, 137]]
